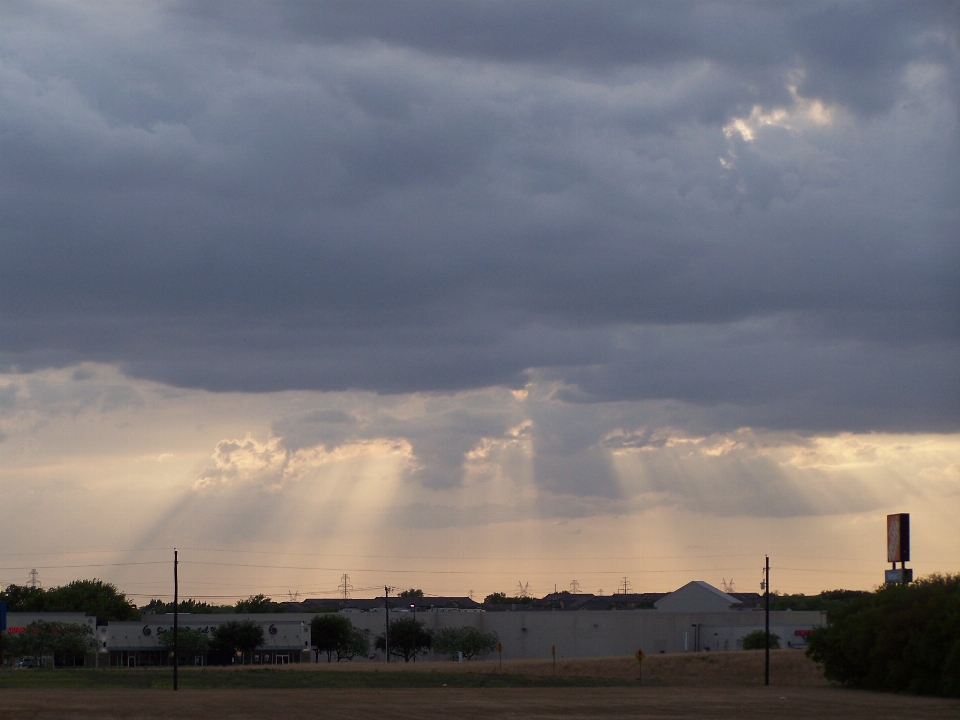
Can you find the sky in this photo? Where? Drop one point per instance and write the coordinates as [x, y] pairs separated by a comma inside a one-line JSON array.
[[469, 296]]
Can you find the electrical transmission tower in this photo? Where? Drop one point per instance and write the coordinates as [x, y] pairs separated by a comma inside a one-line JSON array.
[[574, 587], [625, 586], [523, 590], [345, 586], [727, 586], [34, 580]]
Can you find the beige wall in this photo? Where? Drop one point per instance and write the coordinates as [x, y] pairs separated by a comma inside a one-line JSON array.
[[607, 632], [525, 635]]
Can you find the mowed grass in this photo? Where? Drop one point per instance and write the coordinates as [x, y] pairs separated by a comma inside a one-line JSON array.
[[788, 669]]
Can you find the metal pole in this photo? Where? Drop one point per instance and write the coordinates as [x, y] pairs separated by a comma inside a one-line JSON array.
[[176, 618], [766, 597], [386, 612], [415, 636]]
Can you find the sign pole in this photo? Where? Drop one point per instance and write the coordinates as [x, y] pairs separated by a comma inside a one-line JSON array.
[[766, 596]]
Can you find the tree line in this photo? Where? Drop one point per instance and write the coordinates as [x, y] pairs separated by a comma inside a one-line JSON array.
[[103, 599], [93, 597], [335, 636], [253, 604]]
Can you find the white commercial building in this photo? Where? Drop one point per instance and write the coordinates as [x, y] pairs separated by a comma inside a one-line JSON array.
[[695, 618], [133, 643]]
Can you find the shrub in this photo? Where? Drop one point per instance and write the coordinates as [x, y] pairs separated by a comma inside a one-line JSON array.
[[904, 638], [470, 641], [756, 640]]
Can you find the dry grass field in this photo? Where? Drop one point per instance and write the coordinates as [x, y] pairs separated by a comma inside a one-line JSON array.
[[790, 668], [467, 703], [719, 685]]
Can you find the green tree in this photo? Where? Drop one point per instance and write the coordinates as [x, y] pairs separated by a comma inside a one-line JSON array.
[[468, 640], [828, 601], [154, 606], [407, 638], [237, 636], [93, 597], [330, 633], [499, 598], [411, 593], [194, 607], [190, 644], [64, 642], [23, 598], [71, 642], [259, 604], [356, 644], [903, 638], [756, 640]]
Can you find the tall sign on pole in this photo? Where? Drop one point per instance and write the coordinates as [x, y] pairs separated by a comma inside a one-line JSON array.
[[766, 597], [898, 548]]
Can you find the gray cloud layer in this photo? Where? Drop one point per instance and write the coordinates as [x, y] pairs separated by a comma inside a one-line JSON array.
[[437, 196]]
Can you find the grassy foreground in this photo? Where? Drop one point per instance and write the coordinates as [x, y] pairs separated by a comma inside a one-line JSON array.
[[788, 669], [277, 679]]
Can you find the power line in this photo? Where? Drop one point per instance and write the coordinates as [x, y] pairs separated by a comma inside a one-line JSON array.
[[438, 572], [86, 565], [84, 552], [644, 571], [643, 558]]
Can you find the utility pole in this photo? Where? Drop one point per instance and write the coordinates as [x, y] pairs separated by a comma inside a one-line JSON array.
[[176, 619], [415, 633], [386, 612], [766, 597]]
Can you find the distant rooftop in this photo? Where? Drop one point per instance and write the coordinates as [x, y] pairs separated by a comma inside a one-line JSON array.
[[552, 602]]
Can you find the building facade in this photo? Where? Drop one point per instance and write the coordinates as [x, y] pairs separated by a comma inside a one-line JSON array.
[[695, 618], [135, 643]]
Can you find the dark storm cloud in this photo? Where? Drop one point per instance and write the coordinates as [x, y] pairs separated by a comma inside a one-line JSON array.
[[439, 196]]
